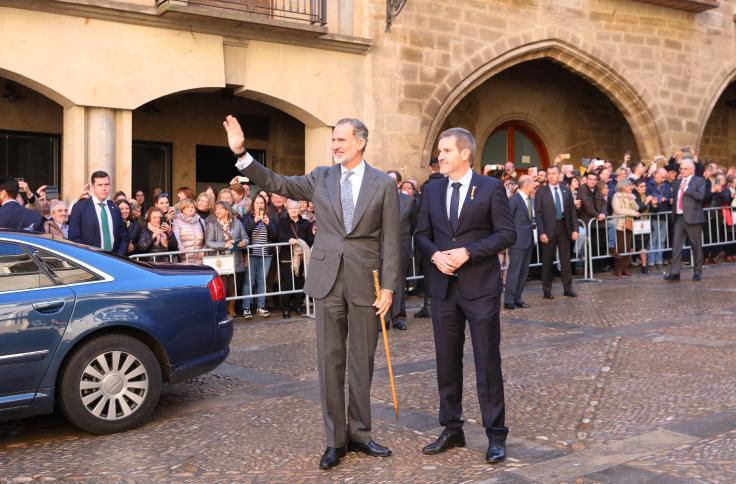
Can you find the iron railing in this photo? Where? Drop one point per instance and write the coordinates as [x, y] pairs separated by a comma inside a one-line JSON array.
[[313, 12]]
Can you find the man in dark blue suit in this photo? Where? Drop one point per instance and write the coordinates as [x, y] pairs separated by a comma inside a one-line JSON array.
[[12, 214], [96, 221], [464, 222], [520, 254]]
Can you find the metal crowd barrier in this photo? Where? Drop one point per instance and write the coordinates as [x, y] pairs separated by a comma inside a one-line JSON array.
[[247, 253], [651, 235]]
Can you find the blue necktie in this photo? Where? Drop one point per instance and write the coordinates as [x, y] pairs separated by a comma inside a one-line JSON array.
[[454, 205], [558, 204], [346, 198]]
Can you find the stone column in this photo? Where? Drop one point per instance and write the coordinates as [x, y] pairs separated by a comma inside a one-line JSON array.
[[317, 147], [74, 153], [101, 142], [124, 151], [345, 17]]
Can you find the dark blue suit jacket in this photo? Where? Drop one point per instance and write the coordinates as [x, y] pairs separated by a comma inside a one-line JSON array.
[[15, 216], [485, 228], [85, 229], [522, 222]]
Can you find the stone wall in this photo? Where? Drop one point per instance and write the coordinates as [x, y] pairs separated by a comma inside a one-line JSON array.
[[662, 68]]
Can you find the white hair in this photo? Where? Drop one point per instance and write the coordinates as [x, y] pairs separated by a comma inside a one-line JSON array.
[[687, 162]]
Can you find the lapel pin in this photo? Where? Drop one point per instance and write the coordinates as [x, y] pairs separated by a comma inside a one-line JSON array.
[[472, 192]]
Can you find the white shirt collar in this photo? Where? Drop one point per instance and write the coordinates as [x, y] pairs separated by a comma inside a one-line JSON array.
[[357, 171], [552, 187], [97, 201], [524, 195], [465, 179]]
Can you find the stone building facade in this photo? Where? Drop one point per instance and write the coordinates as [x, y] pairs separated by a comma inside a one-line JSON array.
[[108, 85]]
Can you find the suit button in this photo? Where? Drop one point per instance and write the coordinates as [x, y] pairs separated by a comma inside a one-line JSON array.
[[454, 239]]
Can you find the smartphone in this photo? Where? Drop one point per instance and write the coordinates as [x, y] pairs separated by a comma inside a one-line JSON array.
[[243, 179], [133, 205], [52, 192], [565, 156]]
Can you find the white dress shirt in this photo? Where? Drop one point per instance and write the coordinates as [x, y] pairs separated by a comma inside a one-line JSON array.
[[98, 211], [356, 179], [562, 197], [526, 197], [464, 186]]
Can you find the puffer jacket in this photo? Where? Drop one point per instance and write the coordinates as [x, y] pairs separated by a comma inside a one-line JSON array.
[[190, 235]]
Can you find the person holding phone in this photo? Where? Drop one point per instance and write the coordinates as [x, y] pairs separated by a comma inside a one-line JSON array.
[[154, 237], [261, 230], [12, 214]]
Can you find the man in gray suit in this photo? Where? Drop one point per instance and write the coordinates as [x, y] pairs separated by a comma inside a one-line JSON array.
[[688, 192], [358, 212], [520, 254]]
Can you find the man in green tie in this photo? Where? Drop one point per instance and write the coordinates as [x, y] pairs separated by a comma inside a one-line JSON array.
[[96, 221], [520, 254]]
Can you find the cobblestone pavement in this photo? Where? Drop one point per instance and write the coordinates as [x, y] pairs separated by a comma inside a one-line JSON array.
[[633, 381]]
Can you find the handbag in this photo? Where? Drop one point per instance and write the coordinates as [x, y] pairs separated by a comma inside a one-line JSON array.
[[223, 264], [727, 213], [297, 253], [629, 224]]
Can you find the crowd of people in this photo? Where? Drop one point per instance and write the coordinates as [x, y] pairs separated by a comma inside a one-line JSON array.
[[555, 210]]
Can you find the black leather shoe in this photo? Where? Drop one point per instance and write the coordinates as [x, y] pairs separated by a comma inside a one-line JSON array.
[[697, 277], [422, 313], [496, 451], [331, 457], [522, 304], [671, 277], [447, 440], [571, 293], [548, 295], [509, 306], [400, 324], [369, 448]]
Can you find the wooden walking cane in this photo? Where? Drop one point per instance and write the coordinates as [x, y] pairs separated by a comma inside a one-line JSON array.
[[385, 346]]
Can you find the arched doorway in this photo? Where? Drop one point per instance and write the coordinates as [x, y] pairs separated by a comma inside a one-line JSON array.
[[515, 141]]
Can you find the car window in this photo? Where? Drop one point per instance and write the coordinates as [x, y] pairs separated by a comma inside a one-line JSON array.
[[67, 272], [18, 271]]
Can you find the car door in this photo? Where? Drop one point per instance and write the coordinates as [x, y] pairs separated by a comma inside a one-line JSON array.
[[34, 312]]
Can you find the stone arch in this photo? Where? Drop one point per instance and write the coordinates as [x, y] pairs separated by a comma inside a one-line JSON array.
[[589, 62], [725, 77], [37, 86], [309, 119]]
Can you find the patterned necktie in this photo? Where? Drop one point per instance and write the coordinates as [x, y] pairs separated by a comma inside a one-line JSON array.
[[529, 207], [106, 242], [346, 197], [454, 205], [558, 204]]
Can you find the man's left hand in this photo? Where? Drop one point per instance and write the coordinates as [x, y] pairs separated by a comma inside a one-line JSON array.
[[458, 257], [574, 236], [383, 304]]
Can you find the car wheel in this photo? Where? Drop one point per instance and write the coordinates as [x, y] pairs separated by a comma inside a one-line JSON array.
[[110, 384]]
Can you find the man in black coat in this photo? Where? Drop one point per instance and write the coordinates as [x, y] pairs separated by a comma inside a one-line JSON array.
[[557, 227], [520, 254], [689, 191], [407, 224], [423, 262], [96, 221], [12, 214], [464, 223]]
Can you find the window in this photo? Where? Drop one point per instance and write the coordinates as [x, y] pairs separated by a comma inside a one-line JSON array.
[[33, 156], [151, 167], [18, 271], [66, 272], [514, 141]]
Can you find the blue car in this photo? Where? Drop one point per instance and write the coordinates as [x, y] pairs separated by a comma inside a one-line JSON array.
[[99, 334]]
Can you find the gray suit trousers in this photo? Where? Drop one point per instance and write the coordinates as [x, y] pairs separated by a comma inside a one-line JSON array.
[[681, 231], [518, 271], [341, 324]]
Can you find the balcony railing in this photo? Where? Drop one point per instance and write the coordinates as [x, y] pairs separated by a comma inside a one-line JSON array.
[[695, 6], [308, 11]]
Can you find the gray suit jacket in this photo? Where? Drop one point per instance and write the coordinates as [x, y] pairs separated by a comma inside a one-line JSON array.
[[692, 202], [374, 242], [522, 223]]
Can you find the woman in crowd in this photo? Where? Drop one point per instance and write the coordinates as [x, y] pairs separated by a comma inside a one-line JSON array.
[[291, 230], [718, 220], [624, 207], [58, 224], [261, 230], [205, 204], [134, 228], [224, 233], [189, 232], [644, 205], [225, 195], [184, 193], [155, 236], [163, 203]]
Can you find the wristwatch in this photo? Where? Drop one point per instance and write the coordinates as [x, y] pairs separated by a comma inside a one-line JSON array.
[[240, 155]]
